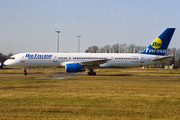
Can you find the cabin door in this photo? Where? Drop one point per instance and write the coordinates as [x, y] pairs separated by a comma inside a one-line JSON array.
[[22, 59], [142, 59], [55, 58]]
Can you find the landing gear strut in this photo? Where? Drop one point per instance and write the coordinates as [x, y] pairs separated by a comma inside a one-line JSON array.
[[25, 71], [91, 71]]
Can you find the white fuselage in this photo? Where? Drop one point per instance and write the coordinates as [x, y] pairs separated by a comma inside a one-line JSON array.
[[113, 60]]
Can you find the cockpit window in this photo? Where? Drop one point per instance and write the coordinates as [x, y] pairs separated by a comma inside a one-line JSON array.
[[12, 58]]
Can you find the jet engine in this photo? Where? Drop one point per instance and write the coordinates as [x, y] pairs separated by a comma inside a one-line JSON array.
[[73, 67]]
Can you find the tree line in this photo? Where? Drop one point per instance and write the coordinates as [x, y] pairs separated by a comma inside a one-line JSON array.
[[116, 48], [132, 48]]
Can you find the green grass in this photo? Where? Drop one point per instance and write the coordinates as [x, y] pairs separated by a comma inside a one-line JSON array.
[[90, 97]]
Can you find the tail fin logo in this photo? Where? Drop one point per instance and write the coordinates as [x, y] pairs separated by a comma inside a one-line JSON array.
[[157, 43]]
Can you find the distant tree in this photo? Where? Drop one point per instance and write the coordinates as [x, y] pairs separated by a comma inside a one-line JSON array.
[[177, 56], [107, 48], [137, 49], [92, 49], [168, 52], [122, 48], [130, 48], [173, 51], [10, 54], [4, 57], [1, 57], [142, 48], [115, 48], [102, 50]]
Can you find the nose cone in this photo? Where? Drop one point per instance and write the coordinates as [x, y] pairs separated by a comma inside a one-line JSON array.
[[7, 63], [11, 63]]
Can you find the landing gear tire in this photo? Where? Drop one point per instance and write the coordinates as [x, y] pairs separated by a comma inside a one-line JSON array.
[[91, 73]]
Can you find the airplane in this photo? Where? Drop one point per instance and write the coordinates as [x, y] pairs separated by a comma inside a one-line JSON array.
[[77, 62]]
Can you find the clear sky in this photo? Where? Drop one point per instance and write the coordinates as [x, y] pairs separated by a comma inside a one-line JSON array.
[[30, 25]]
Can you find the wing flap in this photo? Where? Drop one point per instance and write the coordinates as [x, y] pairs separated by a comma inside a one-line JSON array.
[[94, 63]]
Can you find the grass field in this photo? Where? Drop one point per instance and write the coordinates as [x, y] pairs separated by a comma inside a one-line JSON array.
[[112, 94]]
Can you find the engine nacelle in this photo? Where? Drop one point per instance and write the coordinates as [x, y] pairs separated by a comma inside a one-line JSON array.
[[73, 67]]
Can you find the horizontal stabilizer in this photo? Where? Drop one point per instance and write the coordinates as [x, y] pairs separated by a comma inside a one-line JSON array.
[[162, 58]]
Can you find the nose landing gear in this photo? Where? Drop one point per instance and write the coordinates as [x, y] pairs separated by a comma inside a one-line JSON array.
[[25, 71]]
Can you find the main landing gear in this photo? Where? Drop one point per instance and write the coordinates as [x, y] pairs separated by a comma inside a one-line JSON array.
[[25, 71], [91, 71]]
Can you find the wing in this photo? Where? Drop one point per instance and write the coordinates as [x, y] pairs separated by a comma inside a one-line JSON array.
[[162, 58], [86, 63]]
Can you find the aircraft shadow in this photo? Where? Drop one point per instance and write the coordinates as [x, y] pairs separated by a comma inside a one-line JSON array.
[[115, 75], [108, 75]]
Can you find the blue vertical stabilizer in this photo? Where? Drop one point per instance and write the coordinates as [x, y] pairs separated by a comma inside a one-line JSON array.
[[159, 45]]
